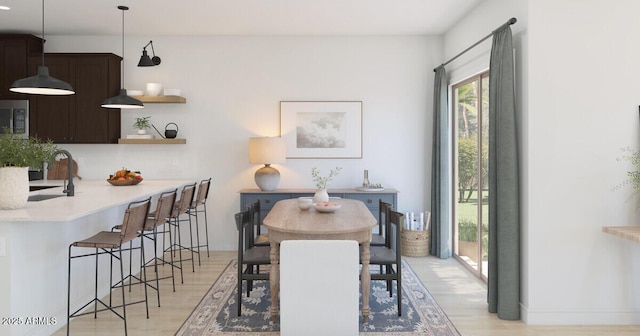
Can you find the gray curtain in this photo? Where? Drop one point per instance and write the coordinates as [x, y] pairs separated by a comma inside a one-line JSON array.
[[504, 211], [440, 234]]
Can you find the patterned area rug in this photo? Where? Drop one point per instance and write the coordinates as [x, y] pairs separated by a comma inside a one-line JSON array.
[[216, 312]]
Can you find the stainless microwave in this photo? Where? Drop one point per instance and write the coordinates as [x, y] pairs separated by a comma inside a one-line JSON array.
[[14, 116]]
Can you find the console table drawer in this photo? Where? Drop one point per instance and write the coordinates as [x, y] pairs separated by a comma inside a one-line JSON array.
[[372, 201], [266, 200]]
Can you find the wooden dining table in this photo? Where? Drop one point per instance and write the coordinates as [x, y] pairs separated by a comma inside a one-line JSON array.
[[352, 221]]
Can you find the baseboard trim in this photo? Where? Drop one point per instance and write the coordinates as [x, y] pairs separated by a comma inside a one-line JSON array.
[[581, 317]]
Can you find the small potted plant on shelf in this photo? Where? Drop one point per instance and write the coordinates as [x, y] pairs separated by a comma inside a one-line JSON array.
[[16, 156], [142, 124]]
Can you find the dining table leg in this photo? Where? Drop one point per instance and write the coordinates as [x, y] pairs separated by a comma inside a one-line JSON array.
[[365, 278], [274, 279]]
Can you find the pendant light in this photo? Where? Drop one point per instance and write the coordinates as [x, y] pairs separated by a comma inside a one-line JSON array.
[[42, 83], [122, 100]]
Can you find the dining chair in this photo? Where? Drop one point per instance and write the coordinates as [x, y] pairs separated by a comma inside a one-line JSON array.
[[110, 243], [249, 255], [199, 205], [260, 239], [389, 256], [378, 239]]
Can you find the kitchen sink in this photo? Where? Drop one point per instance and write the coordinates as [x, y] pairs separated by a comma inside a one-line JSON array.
[[37, 198], [34, 188]]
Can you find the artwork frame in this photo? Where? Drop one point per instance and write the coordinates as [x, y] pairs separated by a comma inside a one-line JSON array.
[[322, 129]]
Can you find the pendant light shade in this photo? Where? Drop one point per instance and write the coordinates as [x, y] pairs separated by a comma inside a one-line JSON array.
[[42, 83], [122, 101]]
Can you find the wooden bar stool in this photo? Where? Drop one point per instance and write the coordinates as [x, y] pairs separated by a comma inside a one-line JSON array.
[[109, 242]]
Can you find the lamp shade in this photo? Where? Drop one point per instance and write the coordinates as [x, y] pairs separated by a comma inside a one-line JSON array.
[[267, 150], [145, 60], [42, 84], [122, 101]]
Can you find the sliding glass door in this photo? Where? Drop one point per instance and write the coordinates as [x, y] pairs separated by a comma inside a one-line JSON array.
[[471, 139]]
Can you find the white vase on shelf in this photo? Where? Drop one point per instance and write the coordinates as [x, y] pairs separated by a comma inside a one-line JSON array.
[[320, 196]]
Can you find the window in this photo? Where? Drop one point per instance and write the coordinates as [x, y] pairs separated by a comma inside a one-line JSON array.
[[471, 141]]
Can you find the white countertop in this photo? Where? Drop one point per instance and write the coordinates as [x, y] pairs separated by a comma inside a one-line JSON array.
[[90, 197]]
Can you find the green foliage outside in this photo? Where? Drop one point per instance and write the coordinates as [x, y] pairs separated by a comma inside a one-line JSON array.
[[467, 168], [472, 108], [468, 143]]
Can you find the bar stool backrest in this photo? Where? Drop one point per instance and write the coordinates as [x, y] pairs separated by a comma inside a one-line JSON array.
[[163, 210], [134, 218], [203, 191], [186, 198]]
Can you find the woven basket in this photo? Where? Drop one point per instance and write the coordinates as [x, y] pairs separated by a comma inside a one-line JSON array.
[[415, 243]]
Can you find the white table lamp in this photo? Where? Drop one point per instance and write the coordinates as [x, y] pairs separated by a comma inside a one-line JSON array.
[[267, 151]]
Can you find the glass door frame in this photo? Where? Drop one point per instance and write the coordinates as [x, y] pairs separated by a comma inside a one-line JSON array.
[[480, 271]]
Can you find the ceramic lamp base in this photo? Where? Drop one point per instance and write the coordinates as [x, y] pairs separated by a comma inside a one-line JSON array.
[[267, 178]]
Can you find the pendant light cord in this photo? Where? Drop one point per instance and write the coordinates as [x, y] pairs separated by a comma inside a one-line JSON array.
[[42, 32], [122, 84]]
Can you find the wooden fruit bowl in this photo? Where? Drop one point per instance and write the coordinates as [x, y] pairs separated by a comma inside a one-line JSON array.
[[119, 183]]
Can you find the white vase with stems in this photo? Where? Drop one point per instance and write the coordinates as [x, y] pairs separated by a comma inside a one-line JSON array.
[[321, 196]]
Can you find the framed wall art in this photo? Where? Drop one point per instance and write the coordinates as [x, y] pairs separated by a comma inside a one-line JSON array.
[[322, 129]]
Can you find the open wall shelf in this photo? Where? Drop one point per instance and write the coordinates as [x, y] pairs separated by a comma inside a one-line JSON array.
[[161, 99], [153, 141]]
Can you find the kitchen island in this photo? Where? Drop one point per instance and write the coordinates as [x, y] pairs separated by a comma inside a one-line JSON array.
[[34, 244]]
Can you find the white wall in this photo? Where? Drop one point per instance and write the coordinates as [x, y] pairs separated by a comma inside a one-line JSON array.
[[577, 68], [233, 87]]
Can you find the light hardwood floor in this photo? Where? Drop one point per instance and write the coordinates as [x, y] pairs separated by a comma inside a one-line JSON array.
[[460, 294]]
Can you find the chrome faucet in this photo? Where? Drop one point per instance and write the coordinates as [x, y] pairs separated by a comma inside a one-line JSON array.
[[69, 188]]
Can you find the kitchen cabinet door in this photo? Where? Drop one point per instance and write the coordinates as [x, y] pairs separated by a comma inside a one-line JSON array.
[[49, 115], [79, 118], [93, 79], [14, 54]]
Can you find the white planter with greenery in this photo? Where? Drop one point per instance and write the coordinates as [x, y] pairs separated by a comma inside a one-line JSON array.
[[15, 187], [16, 156]]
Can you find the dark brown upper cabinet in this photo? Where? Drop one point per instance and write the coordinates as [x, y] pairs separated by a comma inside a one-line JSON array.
[[78, 118], [15, 50]]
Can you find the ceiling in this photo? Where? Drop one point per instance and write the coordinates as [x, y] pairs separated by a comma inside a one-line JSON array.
[[234, 17]]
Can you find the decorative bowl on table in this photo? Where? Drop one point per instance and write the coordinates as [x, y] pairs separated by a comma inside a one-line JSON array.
[[326, 206], [305, 203], [119, 183]]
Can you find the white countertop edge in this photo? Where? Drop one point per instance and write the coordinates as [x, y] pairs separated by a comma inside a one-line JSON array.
[[91, 196]]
